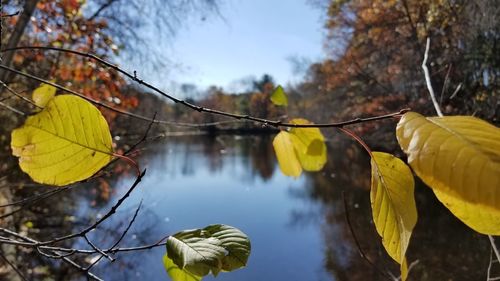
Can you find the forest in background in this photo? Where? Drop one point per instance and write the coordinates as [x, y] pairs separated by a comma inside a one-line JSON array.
[[375, 50]]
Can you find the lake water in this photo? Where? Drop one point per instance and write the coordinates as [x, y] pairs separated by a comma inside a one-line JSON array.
[[195, 182], [297, 227]]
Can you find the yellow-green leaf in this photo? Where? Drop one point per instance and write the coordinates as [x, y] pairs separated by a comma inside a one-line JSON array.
[[287, 160], [177, 274], [459, 158], [301, 148], [43, 94], [214, 248], [393, 205], [309, 145], [68, 141], [278, 97]]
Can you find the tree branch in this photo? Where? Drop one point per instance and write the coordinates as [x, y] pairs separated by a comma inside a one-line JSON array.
[[440, 114], [28, 9], [133, 77], [428, 79]]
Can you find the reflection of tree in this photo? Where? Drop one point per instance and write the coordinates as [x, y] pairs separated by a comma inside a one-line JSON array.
[[185, 155], [446, 249], [262, 157], [212, 149], [346, 170]]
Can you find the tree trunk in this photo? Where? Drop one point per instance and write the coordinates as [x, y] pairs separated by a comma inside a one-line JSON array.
[[15, 37]]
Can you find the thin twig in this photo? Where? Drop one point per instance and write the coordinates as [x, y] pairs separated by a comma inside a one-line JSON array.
[[12, 109], [428, 78], [103, 254], [456, 91], [121, 236], [37, 197], [134, 77], [445, 85], [88, 273], [412, 265], [102, 219], [160, 243], [494, 247], [13, 266], [358, 139], [31, 243], [440, 114], [358, 245], [55, 254], [489, 265], [18, 95], [33, 200], [127, 228]]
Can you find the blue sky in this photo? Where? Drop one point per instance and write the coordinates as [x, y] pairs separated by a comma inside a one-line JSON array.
[[252, 37]]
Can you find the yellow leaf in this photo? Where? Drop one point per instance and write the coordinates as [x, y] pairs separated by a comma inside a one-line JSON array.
[[68, 141], [404, 270], [459, 158], [278, 97], [43, 94], [287, 160], [177, 274], [393, 205], [309, 145]]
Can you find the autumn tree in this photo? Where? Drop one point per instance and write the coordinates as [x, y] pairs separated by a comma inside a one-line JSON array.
[[376, 48], [106, 28]]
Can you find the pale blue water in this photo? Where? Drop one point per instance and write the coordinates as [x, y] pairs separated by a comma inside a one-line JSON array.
[[187, 187], [297, 227]]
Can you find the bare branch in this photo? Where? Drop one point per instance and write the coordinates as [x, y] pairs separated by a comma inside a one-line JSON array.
[[439, 113], [16, 270], [101, 220], [133, 77], [37, 197], [428, 79], [17, 111], [97, 249], [494, 247], [358, 245], [120, 238], [18, 95]]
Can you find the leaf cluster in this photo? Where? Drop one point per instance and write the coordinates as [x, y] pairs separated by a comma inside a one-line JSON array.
[[458, 157]]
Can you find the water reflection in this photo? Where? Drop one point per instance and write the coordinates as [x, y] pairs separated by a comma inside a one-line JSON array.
[[297, 227]]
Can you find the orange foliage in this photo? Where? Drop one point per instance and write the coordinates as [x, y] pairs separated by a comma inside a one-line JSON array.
[[62, 24], [376, 49]]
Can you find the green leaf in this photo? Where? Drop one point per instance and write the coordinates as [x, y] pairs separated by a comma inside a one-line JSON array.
[[285, 153], [310, 147], [459, 158], [211, 249], [278, 97], [235, 242], [393, 205], [68, 141], [43, 94], [195, 251], [177, 274]]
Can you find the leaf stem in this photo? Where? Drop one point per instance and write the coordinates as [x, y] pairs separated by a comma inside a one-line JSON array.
[[357, 138], [131, 161]]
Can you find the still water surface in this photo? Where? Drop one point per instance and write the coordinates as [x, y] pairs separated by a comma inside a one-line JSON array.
[[297, 226]]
